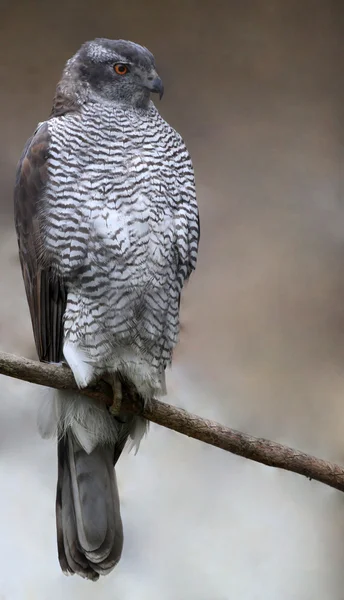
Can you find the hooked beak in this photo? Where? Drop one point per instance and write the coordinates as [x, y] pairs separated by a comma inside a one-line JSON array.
[[156, 86]]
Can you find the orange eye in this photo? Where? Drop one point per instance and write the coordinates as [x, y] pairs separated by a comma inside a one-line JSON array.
[[120, 69]]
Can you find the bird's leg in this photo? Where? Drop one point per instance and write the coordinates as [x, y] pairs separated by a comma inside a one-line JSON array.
[[116, 384], [115, 407]]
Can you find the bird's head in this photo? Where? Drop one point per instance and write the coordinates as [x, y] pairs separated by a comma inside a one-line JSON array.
[[113, 70]]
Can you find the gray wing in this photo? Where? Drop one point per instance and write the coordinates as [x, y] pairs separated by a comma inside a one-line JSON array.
[[45, 291], [186, 240], [187, 220]]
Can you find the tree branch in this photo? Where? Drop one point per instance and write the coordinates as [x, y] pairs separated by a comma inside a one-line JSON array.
[[260, 450]]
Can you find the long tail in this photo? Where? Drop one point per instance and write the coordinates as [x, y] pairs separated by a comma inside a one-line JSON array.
[[88, 520]]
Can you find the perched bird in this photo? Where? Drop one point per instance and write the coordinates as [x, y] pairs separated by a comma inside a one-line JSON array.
[[108, 230]]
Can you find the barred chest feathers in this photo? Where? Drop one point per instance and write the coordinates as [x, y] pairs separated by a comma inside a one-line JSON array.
[[111, 182], [110, 229]]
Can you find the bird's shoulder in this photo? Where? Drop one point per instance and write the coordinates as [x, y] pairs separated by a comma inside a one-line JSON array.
[[31, 174]]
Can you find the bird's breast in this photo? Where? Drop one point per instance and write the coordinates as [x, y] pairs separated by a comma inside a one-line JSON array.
[[111, 196]]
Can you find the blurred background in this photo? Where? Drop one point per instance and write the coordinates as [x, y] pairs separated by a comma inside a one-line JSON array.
[[256, 89]]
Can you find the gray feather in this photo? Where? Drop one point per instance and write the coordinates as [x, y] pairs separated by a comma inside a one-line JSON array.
[[89, 521]]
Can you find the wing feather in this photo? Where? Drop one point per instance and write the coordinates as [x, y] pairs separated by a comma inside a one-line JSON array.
[[187, 219], [45, 290]]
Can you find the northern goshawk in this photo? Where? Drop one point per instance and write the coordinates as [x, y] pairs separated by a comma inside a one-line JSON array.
[[108, 231]]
